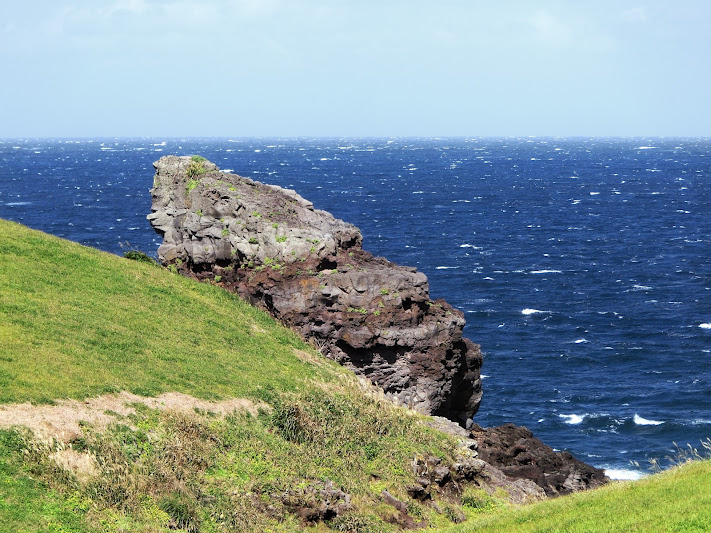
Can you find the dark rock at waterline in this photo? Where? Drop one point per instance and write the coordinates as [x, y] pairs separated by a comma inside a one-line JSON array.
[[519, 455], [308, 269]]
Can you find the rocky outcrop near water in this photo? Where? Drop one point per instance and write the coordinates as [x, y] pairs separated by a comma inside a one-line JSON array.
[[519, 455], [309, 270]]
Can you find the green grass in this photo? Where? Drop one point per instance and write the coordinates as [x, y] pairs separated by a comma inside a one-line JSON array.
[[675, 500], [76, 322]]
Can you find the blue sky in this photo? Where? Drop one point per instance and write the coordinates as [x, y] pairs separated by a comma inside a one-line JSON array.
[[355, 68]]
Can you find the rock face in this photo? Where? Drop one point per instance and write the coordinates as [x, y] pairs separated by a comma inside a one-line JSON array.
[[519, 455], [308, 269]]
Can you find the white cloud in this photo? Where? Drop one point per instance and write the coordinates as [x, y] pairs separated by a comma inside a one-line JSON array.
[[550, 28], [135, 7], [256, 8], [637, 14]]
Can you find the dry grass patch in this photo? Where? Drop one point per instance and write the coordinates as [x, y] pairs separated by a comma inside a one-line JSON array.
[[63, 421]]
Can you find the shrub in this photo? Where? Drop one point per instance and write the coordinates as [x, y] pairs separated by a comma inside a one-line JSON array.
[[195, 169], [141, 257]]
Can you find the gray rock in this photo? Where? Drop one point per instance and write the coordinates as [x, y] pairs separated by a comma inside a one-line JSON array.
[[308, 269]]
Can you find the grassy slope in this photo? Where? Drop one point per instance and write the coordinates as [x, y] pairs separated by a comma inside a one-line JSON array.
[[76, 322], [676, 500]]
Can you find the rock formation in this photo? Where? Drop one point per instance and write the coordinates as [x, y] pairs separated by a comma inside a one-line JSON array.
[[519, 455], [308, 269]]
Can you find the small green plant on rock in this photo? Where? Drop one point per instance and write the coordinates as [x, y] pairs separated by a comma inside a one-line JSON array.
[[281, 238], [191, 185], [253, 240], [195, 169], [478, 500]]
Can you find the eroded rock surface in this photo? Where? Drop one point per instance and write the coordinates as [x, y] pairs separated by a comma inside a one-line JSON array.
[[519, 455], [308, 269]]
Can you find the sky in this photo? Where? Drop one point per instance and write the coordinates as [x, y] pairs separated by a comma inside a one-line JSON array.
[[339, 68]]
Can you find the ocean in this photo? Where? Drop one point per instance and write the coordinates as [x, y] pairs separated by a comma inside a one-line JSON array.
[[583, 266]]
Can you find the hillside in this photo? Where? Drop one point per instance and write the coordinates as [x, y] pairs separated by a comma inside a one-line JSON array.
[[678, 499], [159, 403], [305, 441]]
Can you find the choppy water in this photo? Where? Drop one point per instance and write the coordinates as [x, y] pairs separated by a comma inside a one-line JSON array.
[[583, 266]]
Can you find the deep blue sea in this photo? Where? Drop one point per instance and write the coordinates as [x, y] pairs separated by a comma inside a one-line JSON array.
[[583, 266]]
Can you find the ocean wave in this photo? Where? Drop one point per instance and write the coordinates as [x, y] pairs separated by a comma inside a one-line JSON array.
[[572, 419], [620, 474], [529, 311], [645, 422], [705, 325], [546, 271]]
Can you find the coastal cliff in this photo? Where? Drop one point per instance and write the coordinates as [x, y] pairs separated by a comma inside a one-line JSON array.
[[309, 270]]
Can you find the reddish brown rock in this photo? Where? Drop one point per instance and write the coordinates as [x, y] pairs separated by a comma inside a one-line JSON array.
[[519, 455], [308, 269]]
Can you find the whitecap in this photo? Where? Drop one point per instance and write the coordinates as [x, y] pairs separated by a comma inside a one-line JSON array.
[[644, 147], [620, 474], [418, 192], [594, 193], [227, 170], [445, 267], [644, 422], [470, 246], [572, 419], [547, 271], [705, 325], [12, 204], [581, 341], [529, 311]]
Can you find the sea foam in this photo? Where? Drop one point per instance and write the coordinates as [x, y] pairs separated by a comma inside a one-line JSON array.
[[573, 419], [645, 422], [621, 474]]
